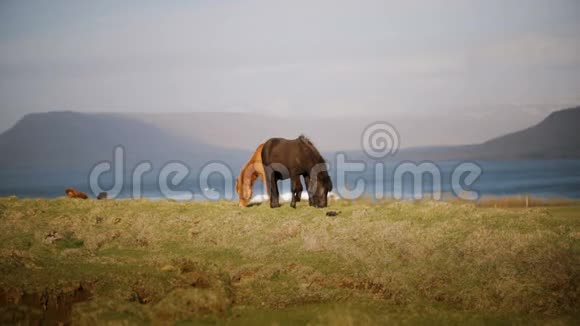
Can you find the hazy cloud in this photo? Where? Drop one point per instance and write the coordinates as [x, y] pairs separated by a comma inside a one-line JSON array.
[[300, 57]]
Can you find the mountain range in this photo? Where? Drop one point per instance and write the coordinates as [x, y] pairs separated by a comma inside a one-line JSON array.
[[80, 140]]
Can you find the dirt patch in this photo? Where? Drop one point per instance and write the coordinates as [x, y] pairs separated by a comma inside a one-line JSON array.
[[49, 307]]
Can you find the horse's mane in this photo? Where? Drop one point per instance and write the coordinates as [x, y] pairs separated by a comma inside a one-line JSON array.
[[256, 156], [319, 157], [311, 146]]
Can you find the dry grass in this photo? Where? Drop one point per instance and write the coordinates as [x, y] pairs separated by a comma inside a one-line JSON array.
[[525, 201], [374, 263], [515, 201]]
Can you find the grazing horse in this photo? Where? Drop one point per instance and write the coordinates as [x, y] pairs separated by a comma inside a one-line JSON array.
[[292, 158], [248, 175], [73, 193]]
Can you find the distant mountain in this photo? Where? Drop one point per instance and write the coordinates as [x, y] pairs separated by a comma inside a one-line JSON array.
[[556, 137], [337, 133], [80, 140]]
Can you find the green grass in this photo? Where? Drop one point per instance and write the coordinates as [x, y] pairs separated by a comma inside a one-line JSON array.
[[166, 262]]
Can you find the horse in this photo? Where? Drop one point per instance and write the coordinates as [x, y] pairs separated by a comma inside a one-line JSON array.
[[248, 175], [73, 193], [292, 158]]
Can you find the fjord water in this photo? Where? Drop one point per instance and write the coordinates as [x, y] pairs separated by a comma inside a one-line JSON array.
[[541, 178]]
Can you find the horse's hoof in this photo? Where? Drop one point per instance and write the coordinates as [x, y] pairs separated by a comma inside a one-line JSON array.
[[274, 205]]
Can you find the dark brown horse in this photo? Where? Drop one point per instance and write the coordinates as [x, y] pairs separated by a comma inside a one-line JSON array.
[[292, 158]]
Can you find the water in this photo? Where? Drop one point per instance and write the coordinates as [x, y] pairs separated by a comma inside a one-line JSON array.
[[556, 178]]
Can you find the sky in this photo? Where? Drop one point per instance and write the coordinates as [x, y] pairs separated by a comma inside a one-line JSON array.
[[514, 60]]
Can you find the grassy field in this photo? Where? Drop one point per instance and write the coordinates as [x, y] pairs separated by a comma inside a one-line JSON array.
[[165, 262]]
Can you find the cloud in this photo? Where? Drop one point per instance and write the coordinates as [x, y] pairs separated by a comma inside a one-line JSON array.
[[289, 57], [533, 50]]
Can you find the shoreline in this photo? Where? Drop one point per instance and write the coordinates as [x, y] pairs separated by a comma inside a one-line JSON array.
[[497, 201]]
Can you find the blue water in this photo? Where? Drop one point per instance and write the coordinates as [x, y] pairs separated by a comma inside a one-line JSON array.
[[556, 178]]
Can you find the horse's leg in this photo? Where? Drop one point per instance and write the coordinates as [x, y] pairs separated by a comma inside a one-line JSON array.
[[296, 186], [262, 175], [273, 189], [293, 190], [299, 189], [310, 194]]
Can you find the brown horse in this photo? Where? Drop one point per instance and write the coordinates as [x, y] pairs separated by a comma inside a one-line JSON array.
[[292, 158], [248, 175], [73, 193]]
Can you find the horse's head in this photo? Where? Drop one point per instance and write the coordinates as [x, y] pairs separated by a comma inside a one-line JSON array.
[[248, 176], [321, 187], [243, 193], [244, 190]]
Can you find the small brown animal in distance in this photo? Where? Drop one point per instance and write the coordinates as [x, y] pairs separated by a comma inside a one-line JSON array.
[[73, 193]]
